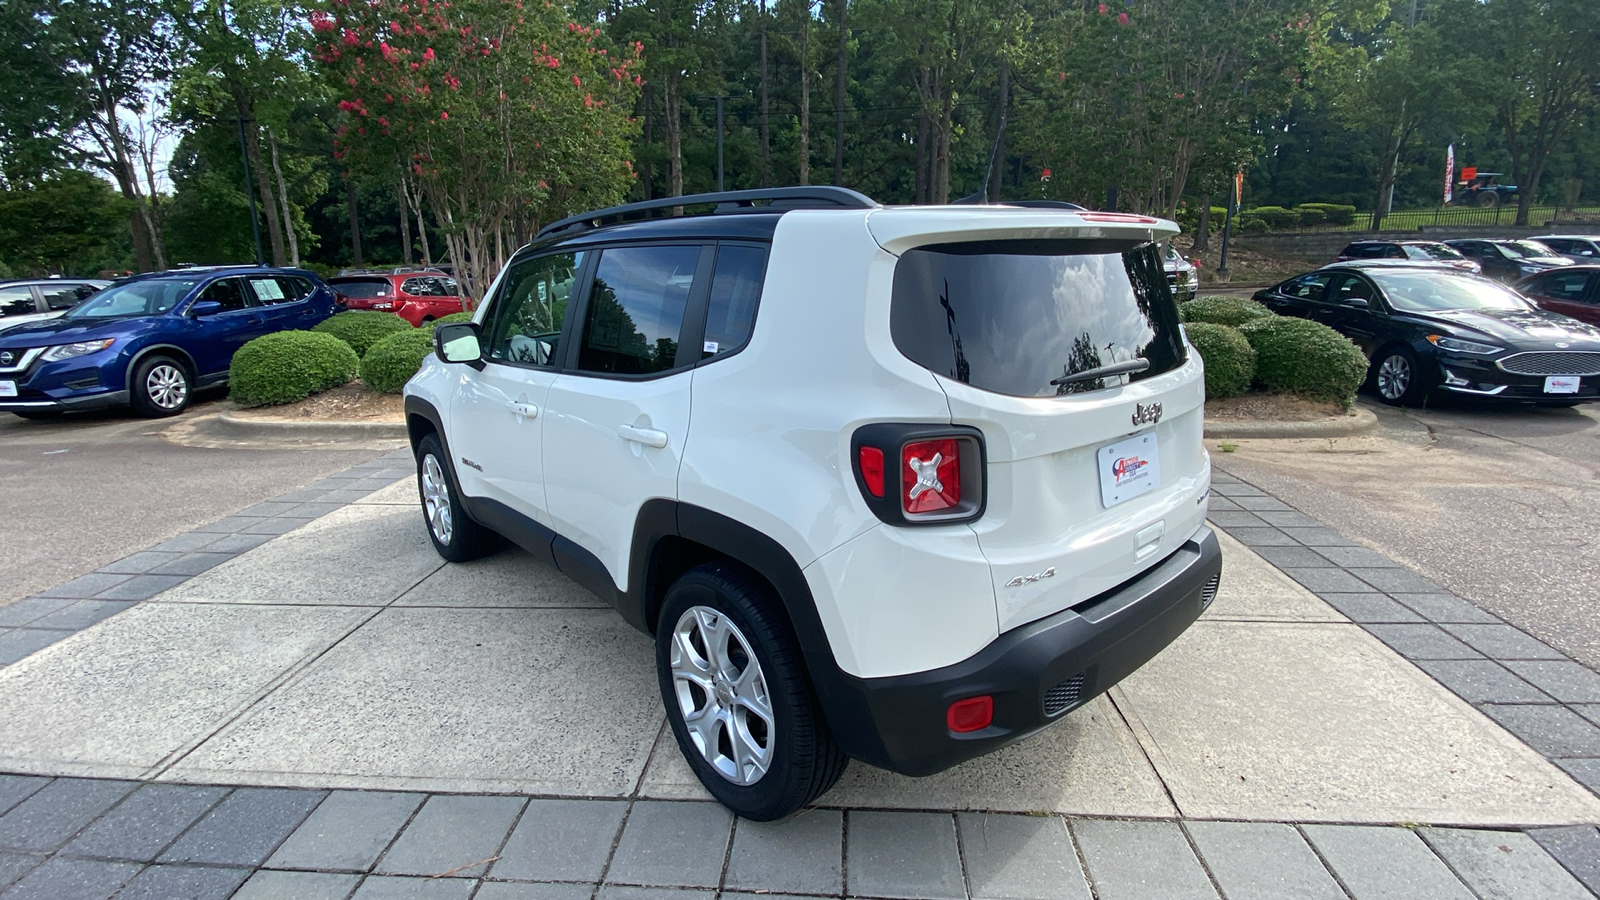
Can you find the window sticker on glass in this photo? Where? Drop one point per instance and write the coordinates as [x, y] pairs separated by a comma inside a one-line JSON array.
[[267, 289], [710, 347]]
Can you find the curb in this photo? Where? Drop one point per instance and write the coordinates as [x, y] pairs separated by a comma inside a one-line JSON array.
[[237, 426], [1360, 421]]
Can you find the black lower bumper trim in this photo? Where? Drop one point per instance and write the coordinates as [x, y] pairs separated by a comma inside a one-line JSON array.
[[69, 404], [899, 724]]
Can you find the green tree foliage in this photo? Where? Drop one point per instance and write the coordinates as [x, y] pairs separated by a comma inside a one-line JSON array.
[[68, 223]]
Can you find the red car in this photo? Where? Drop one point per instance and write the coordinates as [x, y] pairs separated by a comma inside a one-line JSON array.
[[417, 297], [1572, 291]]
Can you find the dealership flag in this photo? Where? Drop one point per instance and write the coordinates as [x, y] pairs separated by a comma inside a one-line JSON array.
[[1449, 173]]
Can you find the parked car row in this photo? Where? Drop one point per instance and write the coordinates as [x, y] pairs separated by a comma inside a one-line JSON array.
[[418, 296], [1504, 260]]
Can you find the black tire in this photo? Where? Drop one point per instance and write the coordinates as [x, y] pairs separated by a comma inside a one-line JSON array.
[[1487, 199], [454, 534], [802, 759], [160, 386], [1396, 378]]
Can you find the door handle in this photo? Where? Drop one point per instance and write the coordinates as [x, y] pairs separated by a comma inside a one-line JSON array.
[[646, 436], [524, 410]]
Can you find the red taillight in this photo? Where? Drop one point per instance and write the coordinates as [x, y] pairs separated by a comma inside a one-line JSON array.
[[930, 476], [971, 714], [871, 461]]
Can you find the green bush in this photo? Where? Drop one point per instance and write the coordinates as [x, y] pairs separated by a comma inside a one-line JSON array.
[[1299, 356], [1219, 214], [286, 366], [451, 319], [392, 361], [1337, 213], [1276, 217], [361, 328], [1247, 223], [1310, 216], [1230, 360], [1222, 310]]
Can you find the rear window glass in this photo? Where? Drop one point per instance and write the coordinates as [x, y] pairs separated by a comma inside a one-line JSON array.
[[1014, 317], [362, 290]]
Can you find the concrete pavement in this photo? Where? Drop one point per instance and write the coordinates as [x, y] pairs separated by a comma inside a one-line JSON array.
[[336, 710]]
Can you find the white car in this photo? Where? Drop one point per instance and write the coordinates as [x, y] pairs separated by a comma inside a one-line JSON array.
[[44, 298], [903, 485]]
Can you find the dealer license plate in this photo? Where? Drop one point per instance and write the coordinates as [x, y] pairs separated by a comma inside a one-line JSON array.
[[1561, 384], [8, 388], [1129, 469]]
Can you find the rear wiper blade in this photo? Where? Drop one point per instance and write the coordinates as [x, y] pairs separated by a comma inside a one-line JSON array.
[[1121, 368]]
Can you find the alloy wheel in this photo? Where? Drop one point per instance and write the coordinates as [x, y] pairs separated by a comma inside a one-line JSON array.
[[166, 386], [436, 500], [722, 695], [1394, 377]]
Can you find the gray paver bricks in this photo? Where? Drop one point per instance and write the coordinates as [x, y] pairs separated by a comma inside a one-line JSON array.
[[561, 840], [54, 813], [1140, 860], [15, 865], [623, 892], [273, 526], [804, 855], [184, 883], [141, 826], [81, 614], [20, 643], [1219, 503], [1289, 519], [238, 543], [1020, 858], [16, 788], [672, 845], [311, 510], [1370, 608], [453, 834], [186, 543], [348, 831], [229, 525], [1555, 731], [1262, 503], [267, 884], [903, 854], [1503, 642], [84, 586], [1505, 865], [382, 887], [1384, 863], [73, 879], [245, 827], [26, 610], [1576, 847], [1590, 711], [192, 563], [1584, 771], [343, 497], [1566, 681], [1318, 536], [141, 587], [1231, 520], [1294, 557], [1329, 579], [507, 890], [141, 562], [1262, 537], [1356, 557], [1444, 608], [1481, 681], [1395, 580], [268, 508], [1232, 487], [1422, 642], [1262, 861]]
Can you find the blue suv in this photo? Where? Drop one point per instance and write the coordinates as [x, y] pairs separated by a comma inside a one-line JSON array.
[[149, 342]]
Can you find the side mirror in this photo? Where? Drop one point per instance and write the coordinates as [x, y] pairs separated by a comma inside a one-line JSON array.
[[205, 308], [460, 342], [1355, 302]]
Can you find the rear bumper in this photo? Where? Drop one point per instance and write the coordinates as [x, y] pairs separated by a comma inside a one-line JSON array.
[[1036, 673]]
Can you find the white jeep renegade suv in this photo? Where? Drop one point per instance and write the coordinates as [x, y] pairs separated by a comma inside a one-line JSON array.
[[898, 484]]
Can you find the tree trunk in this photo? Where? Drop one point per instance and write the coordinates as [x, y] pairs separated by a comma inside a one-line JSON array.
[[648, 170], [941, 173], [414, 201], [839, 93], [805, 92], [283, 197], [1202, 230], [923, 160], [997, 171], [269, 209], [405, 227], [674, 137], [355, 221], [152, 213], [766, 127]]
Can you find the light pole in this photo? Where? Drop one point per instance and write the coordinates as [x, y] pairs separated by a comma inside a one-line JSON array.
[[255, 226]]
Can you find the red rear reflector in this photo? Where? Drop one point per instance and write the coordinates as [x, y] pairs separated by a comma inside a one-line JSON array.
[[930, 475], [871, 461], [971, 714]]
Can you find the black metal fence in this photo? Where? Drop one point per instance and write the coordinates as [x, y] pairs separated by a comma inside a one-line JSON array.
[[1454, 216]]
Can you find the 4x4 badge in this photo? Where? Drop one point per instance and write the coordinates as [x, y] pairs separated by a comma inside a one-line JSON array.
[[1021, 580], [1143, 414]]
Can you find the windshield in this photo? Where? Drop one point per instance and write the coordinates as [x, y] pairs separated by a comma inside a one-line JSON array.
[[1432, 251], [1527, 250], [141, 298], [1427, 292], [1019, 317]]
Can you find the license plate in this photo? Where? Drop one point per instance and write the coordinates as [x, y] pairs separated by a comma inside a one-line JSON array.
[[1561, 384], [8, 388], [1128, 469]]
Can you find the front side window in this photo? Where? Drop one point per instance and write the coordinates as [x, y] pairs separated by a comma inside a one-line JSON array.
[[735, 291], [1024, 318], [530, 307], [229, 292], [1352, 287], [635, 310], [16, 301]]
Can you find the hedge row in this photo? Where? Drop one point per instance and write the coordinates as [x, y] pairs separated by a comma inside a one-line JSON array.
[[1279, 354], [1219, 309], [1274, 218], [361, 328], [392, 361]]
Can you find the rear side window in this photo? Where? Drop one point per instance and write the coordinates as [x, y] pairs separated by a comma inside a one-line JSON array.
[[635, 311], [16, 301], [272, 289], [1011, 317], [1564, 285], [66, 296], [735, 291], [362, 290]]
